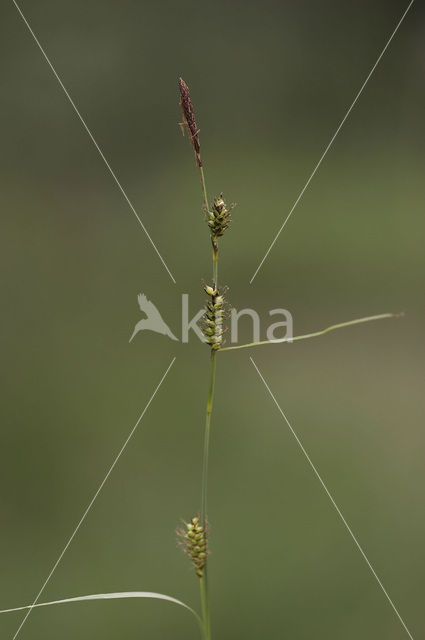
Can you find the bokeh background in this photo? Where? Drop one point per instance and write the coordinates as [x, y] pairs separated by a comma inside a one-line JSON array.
[[270, 81]]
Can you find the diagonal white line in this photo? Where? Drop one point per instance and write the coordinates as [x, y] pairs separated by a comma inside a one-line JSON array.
[[92, 501], [332, 140], [94, 141], [318, 476]]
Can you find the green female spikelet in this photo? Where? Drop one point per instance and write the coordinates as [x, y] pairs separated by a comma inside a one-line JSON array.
[[219, 219], [194, 541], [212, 327]]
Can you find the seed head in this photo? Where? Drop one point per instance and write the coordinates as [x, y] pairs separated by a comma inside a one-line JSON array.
[[219, 218], [194, 540], [215, 310], [189, 120]]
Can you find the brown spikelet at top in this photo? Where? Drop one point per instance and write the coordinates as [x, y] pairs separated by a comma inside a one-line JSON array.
[[189, 121]]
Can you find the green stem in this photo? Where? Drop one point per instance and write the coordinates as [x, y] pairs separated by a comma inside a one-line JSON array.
[[204, 188], [204, 607], [204, 518], [215, 265], [316, 333], [205, 600], [207, 438]]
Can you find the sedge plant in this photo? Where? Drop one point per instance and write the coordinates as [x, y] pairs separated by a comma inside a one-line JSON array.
[[218, 218], [193, 535]]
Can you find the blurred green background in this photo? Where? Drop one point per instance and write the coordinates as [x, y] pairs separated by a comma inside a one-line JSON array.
[[270, 81]]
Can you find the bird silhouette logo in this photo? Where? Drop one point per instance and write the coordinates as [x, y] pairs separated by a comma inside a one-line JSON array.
[[153, 321]]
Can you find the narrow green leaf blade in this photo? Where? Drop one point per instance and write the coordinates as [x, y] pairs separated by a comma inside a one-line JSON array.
[[110, 596]]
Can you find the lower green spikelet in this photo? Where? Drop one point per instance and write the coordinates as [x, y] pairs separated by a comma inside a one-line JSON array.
[[212, 327], [194, 541]]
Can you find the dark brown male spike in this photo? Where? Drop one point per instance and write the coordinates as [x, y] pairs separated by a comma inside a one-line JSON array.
[[188, 114]]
